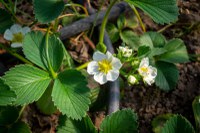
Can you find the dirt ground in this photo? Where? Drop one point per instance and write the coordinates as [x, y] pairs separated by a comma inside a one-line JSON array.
[[147, 102]]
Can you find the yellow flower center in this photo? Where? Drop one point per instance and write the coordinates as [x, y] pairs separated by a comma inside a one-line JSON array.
[[18, 37], [144, 69], [104, 66]]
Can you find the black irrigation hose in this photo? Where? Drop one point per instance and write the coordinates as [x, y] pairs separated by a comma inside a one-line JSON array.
[[87, 23]]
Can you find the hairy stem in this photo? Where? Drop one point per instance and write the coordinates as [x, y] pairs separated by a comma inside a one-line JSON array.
[[53, 74], [104, 22]]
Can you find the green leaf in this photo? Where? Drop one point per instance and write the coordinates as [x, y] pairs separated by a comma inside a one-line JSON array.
[[121, 21], [160, 11], [8, 115], [67, 125], [157, 51], [167, 75], [5, 20], [123, 121], [113, 32], [178, 124], [47, 10], [34, 50], [159, 121], [28, 82], [143, 50], [45, 103], [19, 127], [6, 95], [196, 111], [130, 38], [71, 94], [153, 39], [176, 52]]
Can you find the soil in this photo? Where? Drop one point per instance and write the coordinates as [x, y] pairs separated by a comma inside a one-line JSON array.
[[146, 101]]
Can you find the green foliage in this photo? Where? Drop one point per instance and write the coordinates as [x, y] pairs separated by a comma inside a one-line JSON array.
[[101, 47], [153, 39], [8, 115], [19, 127], [71, 94], [160, 11], [34, 50], [28, 82], [159, 121], [45, 103], [124, 121], [196, 111], [5, 20], [47, 10], [68, 125], [167, 75], [130, 38], [176, 52], [177, 124], [6, 95], [113, 32]]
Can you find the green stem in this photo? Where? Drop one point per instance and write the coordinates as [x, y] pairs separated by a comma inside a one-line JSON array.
[[53, 74], [123, 73], [104, 22], [20, 112], [78, 5], [138, 17], [82, 66], [18, 56]]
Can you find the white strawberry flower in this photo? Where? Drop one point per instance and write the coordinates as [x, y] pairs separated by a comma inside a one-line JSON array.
[[126, 52], [132, 80], [104, 67], [16, 35], [148, 72]]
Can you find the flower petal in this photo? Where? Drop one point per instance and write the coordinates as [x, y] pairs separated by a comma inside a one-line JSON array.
[[16, 45], [144, 62], [98, 56], [16, 28], [25, 30], [8, 35], [112, 75], [152, 71], [109, 56], [149, 80], [116, 63], [100, 78], [92, 68]]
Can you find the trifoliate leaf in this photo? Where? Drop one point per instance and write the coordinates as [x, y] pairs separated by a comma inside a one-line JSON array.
[[161, 11], [167, 75], [5, 20], [6, 95], [176, 52], [67, 125], [71, 94], [47, 10], [178, 124], [196, 111], [143, 51], [34, 50], [130, 38], [28, 82], [123, 121], [113, 32]]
